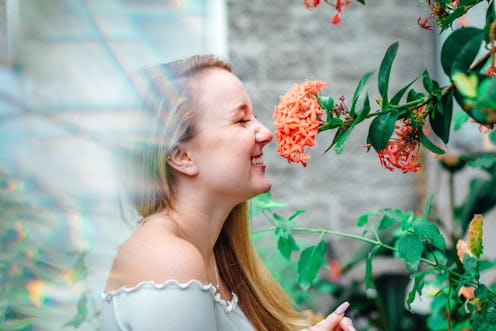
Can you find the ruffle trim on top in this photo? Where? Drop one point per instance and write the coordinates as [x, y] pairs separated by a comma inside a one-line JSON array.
[[227, 305]]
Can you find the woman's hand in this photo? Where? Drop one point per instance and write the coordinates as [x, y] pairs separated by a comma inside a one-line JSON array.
[[336, 321]]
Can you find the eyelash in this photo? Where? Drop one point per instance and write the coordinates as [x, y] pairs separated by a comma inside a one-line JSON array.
[[244, 121]]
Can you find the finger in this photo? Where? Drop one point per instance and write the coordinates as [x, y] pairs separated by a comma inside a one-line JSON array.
[[334, 318], [346, 324]]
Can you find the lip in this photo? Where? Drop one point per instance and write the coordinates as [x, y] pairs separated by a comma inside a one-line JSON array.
[[260, 165]]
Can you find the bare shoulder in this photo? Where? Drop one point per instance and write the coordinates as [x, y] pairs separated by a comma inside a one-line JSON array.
[[155, 253]]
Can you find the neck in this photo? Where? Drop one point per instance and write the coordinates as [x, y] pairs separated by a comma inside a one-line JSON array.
[[200, 220]]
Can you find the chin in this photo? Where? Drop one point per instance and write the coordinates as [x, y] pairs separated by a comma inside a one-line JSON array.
[[260, 190], [266, 188]]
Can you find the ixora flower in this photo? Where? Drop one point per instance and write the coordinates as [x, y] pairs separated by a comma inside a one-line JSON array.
[[297, 120], [339, 5], [401, 151]]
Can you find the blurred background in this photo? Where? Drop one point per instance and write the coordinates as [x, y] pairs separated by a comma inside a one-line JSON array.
[[64, 76]]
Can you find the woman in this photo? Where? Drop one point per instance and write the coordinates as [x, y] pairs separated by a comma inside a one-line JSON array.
[[198, 159]]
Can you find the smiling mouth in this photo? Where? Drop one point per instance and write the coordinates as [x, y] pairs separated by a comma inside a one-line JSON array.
[[257, 160]]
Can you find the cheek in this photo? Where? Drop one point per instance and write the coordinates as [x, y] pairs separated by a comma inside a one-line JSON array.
[[229, 148]]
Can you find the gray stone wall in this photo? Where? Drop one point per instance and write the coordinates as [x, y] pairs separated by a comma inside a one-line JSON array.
[[273, 45]]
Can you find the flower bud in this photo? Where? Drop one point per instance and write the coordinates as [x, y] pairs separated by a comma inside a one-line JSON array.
[[475, 235]]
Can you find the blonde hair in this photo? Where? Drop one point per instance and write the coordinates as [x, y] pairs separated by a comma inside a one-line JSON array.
[[169, 120]]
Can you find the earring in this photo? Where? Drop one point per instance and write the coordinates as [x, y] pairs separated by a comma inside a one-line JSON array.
[[188, 169]]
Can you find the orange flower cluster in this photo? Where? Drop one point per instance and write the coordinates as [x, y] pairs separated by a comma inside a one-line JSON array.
[[297, 120], [401, 152]]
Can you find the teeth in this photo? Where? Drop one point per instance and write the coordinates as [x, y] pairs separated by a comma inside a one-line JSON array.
[[257, 160]]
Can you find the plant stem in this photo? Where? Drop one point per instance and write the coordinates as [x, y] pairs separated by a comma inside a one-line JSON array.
[[340, 234], [417, 103], [378, 242], [372, 242], [449, 302]]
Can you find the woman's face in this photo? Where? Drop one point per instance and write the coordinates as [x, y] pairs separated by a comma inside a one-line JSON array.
[[228, 141]]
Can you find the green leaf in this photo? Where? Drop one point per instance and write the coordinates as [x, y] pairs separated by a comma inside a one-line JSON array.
[[342, 138], [331, 123], [284, 226], [484, 320], [263, 202], [286, 245], [426, 230], [398, 215], [410, 248], [337, 136], [467, 54], [381, 129], [417, 287], [484, 107], [397, 97], [279, 218], [385, 72], [311, 259], [470, 263], [460, 49], [325, 102], [427, 81], [362, 110], [487, 92], [490, 14], [386, 222], [364, 218], [360, 94], [296, 213], [481, 292], [369, 284], [429, 144], [492, 136], [482, 110], [466, 84], [485, 161], [81, 314], [414, 95], [447, 21], [459, 119], [428, 206], [440, 118]]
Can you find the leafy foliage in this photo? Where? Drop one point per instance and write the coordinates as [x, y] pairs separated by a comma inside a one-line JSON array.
[[399, 127]]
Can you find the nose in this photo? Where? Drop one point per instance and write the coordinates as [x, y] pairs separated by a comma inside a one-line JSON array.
[[262, 134]]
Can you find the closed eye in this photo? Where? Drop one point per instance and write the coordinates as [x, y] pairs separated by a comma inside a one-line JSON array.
[[244, 120]]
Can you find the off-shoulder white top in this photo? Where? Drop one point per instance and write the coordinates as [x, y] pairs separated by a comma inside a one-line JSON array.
[[171, 306]]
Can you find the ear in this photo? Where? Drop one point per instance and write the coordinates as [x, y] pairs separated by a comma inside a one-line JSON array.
[[181, 161]]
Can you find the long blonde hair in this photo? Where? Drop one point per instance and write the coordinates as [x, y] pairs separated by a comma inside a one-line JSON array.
[[169, 120]]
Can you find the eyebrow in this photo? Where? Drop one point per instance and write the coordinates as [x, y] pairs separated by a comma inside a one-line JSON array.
[[243, 108]]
